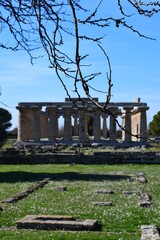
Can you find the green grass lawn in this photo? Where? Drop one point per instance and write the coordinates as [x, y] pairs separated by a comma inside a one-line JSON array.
[[121, 221]]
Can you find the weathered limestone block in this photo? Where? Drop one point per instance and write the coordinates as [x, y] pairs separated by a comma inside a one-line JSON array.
[[149, 232], [144, 200], [52, 222]]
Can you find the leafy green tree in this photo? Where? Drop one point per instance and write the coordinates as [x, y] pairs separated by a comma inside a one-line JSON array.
[[154, 126], [5, 118]]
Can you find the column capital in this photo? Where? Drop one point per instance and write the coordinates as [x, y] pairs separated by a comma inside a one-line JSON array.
[[81, 108], [127, 108], [141, 109], [34, 108], [66, 107], [114, 110], [52, 108], [20, 108], [95, 108]]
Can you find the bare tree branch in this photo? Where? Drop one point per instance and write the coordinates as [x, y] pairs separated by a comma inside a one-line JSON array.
[[36, 25]]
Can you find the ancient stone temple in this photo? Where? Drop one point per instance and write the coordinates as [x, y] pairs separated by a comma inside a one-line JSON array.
[[38, 121]]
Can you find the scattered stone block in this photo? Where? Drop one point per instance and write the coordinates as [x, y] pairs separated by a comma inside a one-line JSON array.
[[130, 192], [103, 204], [144, 200], [61, 188], [141, 179], [52, 222], [149, 232], [131, 179], [104, 191]]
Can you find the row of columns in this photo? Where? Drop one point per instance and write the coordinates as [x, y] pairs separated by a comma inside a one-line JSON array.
[[31, 127]]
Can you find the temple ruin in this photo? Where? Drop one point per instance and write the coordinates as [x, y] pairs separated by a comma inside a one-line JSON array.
[[38, 121]]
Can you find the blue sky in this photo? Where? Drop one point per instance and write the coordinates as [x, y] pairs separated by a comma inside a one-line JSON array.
[[135, 65]]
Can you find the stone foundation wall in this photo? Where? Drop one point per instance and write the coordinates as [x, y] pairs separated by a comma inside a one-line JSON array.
[[97, 158]]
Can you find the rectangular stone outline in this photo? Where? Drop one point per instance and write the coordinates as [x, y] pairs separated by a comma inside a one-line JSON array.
[[54, 222]]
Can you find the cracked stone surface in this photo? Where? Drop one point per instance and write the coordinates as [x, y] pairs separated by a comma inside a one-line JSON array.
[[149, 232]]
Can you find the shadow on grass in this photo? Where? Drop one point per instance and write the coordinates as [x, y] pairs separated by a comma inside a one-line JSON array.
[[22, 176]]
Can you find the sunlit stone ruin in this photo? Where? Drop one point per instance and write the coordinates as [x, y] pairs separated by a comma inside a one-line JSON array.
[[53, 222], [43, 122]]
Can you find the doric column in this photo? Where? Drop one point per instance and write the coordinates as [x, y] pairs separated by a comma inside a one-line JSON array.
[[36, 123], [75, 126], [44, 125], [143, 123], [21, 124], [82, 124], [126, 135], [67, 123], [52, 123], [29, 119], [86, 123], [104, 132], [112, 131], [123, 125], [96, 124]]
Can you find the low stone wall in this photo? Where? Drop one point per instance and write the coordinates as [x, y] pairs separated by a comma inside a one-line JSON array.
[[97, 158]]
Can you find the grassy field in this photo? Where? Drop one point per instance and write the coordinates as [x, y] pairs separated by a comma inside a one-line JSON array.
[[121, 221]]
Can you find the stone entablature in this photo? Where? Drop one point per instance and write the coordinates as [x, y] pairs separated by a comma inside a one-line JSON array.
[[35, 124]]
